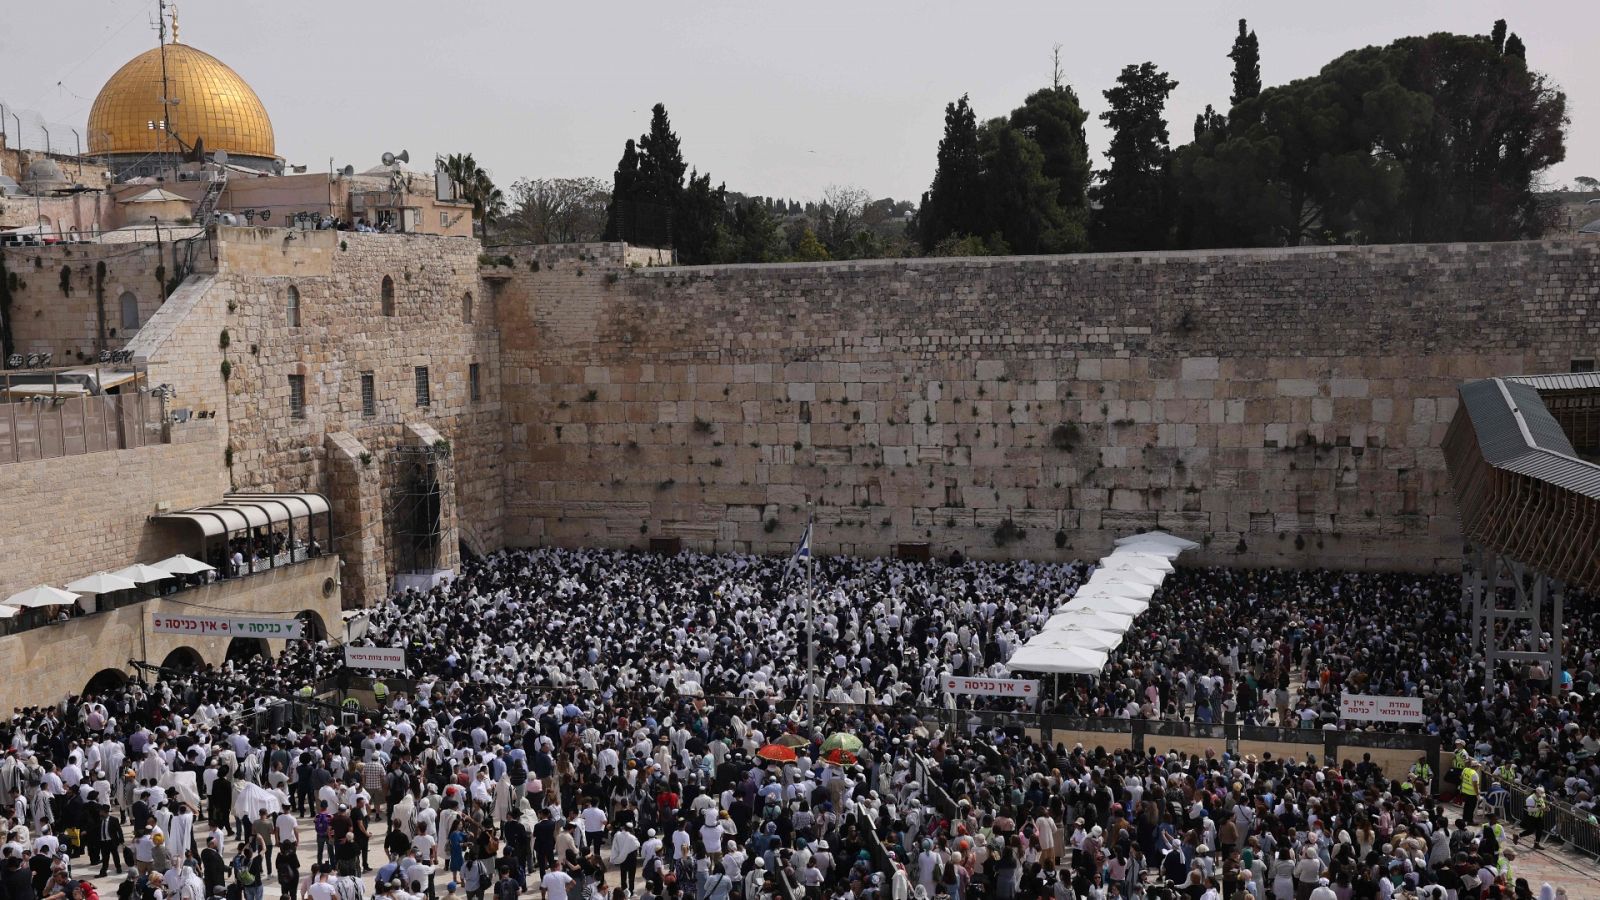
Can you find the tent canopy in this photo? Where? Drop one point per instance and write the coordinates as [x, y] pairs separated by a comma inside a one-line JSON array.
[[1132, 574], [1094, 618], [1109, 584], [1124, 557], [1124, 606], [238, 512], [1148, 542], [1059, 660], [1070, 635], [42, 595]]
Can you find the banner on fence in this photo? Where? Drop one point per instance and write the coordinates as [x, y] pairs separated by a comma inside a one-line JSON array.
[[227, 626], [991, 687], [374, 657], [1375, 708]]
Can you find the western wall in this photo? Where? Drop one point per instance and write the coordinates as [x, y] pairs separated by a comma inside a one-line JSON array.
[[1285, 407]]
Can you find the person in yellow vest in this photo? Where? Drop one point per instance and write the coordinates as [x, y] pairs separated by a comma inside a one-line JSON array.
[[1503, 868], [1505, 773], [1533, 818], [380, 693], [1458, 761], [1422, 775], [1469, 793]]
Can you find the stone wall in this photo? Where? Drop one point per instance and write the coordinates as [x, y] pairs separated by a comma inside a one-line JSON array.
[[74, 317], [342, 333], [44, 665], [1285, 407]]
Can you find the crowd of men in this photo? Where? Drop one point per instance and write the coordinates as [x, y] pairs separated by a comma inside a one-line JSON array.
[[600, 724]]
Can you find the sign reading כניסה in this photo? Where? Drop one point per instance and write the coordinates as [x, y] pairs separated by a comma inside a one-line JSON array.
[[227, 626], [990, 687], [374, 657], [1376, 708]]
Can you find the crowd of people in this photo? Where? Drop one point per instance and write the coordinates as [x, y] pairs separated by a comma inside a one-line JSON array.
[[599, 724]]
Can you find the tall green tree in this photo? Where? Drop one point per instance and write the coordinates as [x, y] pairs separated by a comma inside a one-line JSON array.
[[1021, 204], [473, 181], [1246, 56], [1053, 120], [1135, 209], [622, 211], [953, 204]]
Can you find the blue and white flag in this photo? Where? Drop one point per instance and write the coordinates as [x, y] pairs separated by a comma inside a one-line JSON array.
[[802, 553]]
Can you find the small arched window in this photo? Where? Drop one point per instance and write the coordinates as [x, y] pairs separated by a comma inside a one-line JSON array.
[[466, 307], [388, 296], [294, 307], [130, 311]]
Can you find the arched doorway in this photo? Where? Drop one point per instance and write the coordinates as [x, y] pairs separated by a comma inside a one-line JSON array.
[[316, 628], [183, 659], [104, 682], [241, 649]]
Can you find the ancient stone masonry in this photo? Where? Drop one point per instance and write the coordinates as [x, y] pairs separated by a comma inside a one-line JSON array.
[[1283, 406]]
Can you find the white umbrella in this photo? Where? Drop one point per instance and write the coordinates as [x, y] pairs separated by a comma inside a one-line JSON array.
[[139, 573], [101, 583], [1123, 606], [7, 612], [1076, 636], [1124, 557], [1129, 576], [1063, 660], [182, 565], [1149, 542], [43, 595], [1108, 584], [1093, 618]]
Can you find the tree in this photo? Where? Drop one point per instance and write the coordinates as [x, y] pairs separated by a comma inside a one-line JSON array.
[[954, 202], [1053, 119], [701, 231], [622, 210], [1134, 209], [475, 186], [1587, 183], [810, 249], [756, 235], [1021, 201], [841, 219], [557, 210], [1246, 56]]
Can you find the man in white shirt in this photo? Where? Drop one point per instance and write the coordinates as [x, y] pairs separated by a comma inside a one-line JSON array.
[[555, 884]]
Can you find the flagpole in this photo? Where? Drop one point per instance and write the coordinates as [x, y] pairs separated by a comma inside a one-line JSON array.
[[811, 631]]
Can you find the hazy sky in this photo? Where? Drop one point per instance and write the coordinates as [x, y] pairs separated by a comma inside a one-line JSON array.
[[773, 98]]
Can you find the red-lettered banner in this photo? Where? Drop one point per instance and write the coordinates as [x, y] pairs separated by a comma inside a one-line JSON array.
[[1375, 708], [991, 687], [374, 657], [227, 626]]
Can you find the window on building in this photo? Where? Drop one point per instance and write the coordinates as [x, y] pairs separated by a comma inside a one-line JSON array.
[[472, 381], [466, 307], [444, 220], [369, 395], [423, 397], [130, 311], [1583, 365], [294, 307], [297, 396], [388, 296]]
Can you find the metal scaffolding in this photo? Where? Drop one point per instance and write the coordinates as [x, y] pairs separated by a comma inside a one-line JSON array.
[[416, 507], [1507, 601]]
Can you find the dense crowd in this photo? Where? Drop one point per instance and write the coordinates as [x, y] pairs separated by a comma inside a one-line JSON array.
[[597, 724]]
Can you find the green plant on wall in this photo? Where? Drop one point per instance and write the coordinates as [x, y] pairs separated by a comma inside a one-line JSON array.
[[224, 340], [227, 369]]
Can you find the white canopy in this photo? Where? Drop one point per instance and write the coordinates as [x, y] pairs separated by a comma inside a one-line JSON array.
[[1109, 584], [101, 583], [241, 512], [182, 565], [1061, 660], [1132, 574], [7, 612], [1126, 606], [1076, 636], [1146, 543], [43, 595], [1124, 557], [139, 573], [1092, 618]]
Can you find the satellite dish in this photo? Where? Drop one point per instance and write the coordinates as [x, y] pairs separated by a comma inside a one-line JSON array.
[[220, 157], [347, 171]]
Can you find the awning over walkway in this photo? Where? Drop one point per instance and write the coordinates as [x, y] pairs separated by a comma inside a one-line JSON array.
[[241, 512]]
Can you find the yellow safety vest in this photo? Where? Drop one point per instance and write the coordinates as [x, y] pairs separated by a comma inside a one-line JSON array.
[[1461, 759], [1469, 782], [380, 690], [1422, 772]]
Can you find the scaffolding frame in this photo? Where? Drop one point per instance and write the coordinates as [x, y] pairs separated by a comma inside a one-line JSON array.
[[417, 507], [1499, 593]]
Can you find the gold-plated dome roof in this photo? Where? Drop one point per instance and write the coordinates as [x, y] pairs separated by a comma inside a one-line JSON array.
[[214, 103]]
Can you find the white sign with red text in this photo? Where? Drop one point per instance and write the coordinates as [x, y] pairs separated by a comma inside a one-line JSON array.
[[1375, 708], [991, 687], [374, 657]]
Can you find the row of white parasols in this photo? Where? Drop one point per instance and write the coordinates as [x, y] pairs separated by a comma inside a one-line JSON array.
[[1080, 636], [101, 583]]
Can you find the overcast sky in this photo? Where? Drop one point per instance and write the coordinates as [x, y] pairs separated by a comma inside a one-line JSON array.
[[781, 99]]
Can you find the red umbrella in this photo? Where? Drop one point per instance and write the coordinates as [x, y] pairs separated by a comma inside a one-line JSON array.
[[839, 756], [777, 753]]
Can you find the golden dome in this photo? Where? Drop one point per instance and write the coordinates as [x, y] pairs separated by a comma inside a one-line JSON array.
[[213, 103]]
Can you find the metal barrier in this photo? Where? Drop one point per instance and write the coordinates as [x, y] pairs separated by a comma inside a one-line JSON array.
[[1563, 823]]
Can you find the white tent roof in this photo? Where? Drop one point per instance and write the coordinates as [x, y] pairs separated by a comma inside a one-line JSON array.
[[1124, 557], [7, 612], [1157, 539], [1123, 606], [101, 583], [1061, 660], [1077, 636], [239, 512], [1092, 618], [1109, 584], [1132, 574]]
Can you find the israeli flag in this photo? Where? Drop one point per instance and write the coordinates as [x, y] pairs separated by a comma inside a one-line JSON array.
[[801, 553]]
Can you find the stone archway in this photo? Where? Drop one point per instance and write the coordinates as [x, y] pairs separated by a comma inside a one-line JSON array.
[[183, 659], [105, 681], [243, 648], [316, 628]]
